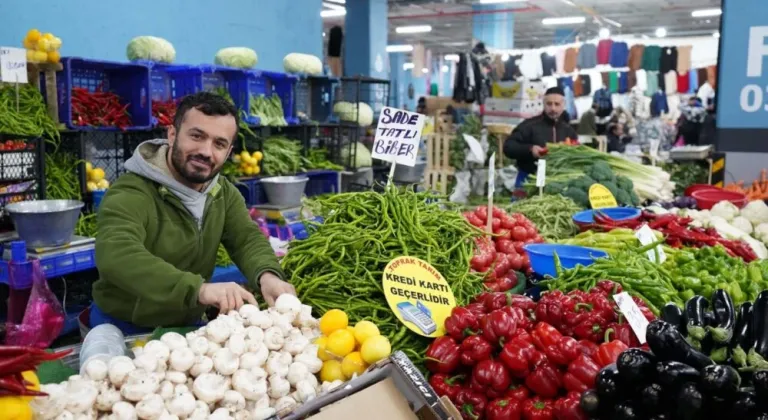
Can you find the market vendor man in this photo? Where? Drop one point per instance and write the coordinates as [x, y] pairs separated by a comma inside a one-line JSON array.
[[161, 223], [529, 140]]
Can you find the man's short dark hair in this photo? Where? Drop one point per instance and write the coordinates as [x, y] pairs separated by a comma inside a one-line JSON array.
[[554, 91], [208, 103]]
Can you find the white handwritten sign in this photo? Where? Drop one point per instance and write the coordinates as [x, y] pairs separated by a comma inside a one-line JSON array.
[[492, 176], [632, 313], [13, 65], [398, 136]]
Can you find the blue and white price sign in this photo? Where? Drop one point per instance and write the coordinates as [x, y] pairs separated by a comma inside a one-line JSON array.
[[742, 91]]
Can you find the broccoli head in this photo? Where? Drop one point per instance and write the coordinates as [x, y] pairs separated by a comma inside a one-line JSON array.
[[601, 172], [612, 187], [582, 183], [579, 196], [635, 199], [554, 188], [625, 183], [623, 197]]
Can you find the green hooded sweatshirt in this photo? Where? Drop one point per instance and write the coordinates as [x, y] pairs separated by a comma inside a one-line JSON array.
[[158, 239]]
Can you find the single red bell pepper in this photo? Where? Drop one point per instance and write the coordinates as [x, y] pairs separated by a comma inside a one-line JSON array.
[[461, 323], [446, 385], [621, 331], [608, 287], [569, 408], [477, 308], [564, 352], [491, 376], [588, 347], [475, 349], [471, 404], [503, 409], [602, 306], [517, 356], [584, 370], [609, 351], [521, 317], [545, 335], [498, 327], [517, 392], [443, 355], [544, 380], [592, 328], [553, 308], [538, 408]]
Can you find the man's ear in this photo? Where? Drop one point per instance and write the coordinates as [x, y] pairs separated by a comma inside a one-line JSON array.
[[171, 134]]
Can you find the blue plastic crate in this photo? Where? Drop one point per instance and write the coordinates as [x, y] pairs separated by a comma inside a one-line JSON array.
[[252, 191], [266, 83], [129, 81], [60, 264], [173, 82], [228, 274], [322, 182]]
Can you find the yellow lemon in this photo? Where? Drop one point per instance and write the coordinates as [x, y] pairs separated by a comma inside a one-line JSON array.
[[103, 184], [33, 35], [331, 371], [17, 408], [88, 166], [54, 57], [97, 174], [248, 170], [56, 43], [258, 155], [340, 343], [322, 350], [41, 56], [28, 44], [256, 170], [49, 36], [353, 364], [43, 44], [30, 377], [333, 320], [236, 158], [365, 330], [375, 349], [91, 186], [245, 156], [31, 56]]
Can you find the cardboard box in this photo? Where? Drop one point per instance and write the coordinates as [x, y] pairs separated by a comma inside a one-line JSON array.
[[392, 389]]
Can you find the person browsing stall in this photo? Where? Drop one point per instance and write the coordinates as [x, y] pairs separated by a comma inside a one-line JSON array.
[[161, 223], [528, 141]]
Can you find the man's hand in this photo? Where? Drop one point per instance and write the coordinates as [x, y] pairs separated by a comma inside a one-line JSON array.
[[536, 151], [225, 296], [272, 287]]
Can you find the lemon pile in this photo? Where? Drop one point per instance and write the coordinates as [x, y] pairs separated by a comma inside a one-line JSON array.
[[248, 163], [17, 408], [347, 351], [95, 178], [42, 48]]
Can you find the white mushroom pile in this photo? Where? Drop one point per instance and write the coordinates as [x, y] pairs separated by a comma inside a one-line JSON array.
[[245, 365]]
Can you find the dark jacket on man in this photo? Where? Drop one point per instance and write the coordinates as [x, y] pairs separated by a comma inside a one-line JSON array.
[[536, 131]]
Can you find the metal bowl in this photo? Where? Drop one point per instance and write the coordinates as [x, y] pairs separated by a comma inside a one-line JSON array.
[[45, 223], [284, 190], [410, 174]]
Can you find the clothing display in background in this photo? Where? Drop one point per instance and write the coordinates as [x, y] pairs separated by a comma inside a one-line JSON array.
[[661, 82], [706, 94], [642, 79], [638, 107], [619, 54], [613, 81], [548, 64], [560, 61], [605, 77], [668, 59], [659, 104], [604, 51], [586, 85], [655, 129], [571, 59], [712, 76], [684, 58], [702, 74], [631, 79], [670, 82], [578, 86], [635, 56], [602, 98], [587, 124], [587, 56], [469, 82], [683, 82], [596, 80], [623, 82], [651, 58], [512, 68], [530, 65], [652, 82], [498, 68], [570, 102], [693, 81]]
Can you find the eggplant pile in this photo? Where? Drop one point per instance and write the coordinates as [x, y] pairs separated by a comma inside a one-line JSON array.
[[674, 380], [737, 336]]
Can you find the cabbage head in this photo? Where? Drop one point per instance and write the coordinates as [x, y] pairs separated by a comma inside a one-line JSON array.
[[237, 57], [361, 112], [151, 48], [302, 63]]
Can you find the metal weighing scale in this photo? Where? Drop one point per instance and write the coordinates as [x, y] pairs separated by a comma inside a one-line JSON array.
[[78, 243], [283, 215]]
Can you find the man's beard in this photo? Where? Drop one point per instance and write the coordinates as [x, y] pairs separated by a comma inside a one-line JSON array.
[[193, 177]]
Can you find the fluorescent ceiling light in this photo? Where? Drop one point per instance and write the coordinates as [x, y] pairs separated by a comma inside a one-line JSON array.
[[407, 66], [323, 34], [661, 33], [338, 1], [716, 34], [452, 57], [612, 22], [706, 12], [424, 70], [416, 29], [568, 2], [604, 33], [333, 13], [445, 68], [333, 6], [500, 1], [455, 44], [571, 20], [504, 57], [645, 36], [399, 48]]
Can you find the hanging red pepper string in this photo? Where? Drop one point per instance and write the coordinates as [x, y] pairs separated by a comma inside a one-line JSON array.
[[164, 112], [99, 109], [14, 360]]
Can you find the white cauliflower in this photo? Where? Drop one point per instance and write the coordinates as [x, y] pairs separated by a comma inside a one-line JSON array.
[[726, 210], [742, 223], [756, 212], [761, 232]]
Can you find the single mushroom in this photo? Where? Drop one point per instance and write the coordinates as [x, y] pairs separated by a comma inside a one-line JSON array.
[[159, 349], [150, 407], [176, 377], [119, 367], [274, 338], [233, 401], [95, 369], [198, 345], [249, 384], [182, 404], [174, 340], [210, 387], [138, 385], [147, 362], [124, 411], [81, 395], [218, 331], [285, 403], [247, 310], [220, 414], [225, 362], [203, 364], [108, 396], [236, 344], [182, 359]]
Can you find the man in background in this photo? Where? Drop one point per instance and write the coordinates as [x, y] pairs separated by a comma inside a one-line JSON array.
[[528, 142]]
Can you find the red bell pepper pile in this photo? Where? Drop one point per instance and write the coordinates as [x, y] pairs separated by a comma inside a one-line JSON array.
[[99, 109], [508, 357], [164, 112], [501, 256], [17, 359]]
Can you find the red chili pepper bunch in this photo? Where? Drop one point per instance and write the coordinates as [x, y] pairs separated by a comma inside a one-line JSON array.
[[164, 112], [604, 223], [508, 357], [502, 255], [99, 109], [17, 359]]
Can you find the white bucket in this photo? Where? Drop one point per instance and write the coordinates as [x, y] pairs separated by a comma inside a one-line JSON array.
[[103, 342]]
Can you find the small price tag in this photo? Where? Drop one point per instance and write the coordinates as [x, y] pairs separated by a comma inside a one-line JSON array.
[[492, 175], [13, 65], [541, 173], [632, 313], [476, 154], [646, 237]]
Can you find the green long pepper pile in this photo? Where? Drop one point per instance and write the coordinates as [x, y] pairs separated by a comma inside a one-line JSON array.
[[30, 118], [340, 265]]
